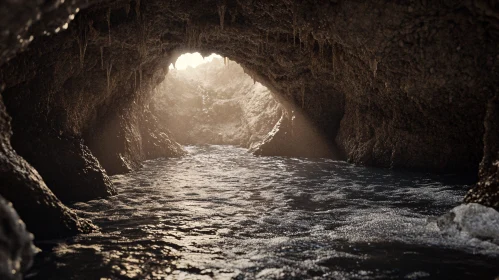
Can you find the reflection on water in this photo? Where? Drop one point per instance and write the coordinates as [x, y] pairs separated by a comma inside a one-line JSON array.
[[221, 213]]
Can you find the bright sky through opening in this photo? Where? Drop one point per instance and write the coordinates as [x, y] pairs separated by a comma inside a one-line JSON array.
[[192, 60]]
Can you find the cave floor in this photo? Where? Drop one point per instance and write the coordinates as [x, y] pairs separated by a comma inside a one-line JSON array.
[[222, 213]]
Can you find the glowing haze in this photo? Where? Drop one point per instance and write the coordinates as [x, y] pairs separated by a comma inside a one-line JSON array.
[[192, 60]]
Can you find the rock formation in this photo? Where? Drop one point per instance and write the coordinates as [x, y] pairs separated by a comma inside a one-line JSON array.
[[390, 83], [486, 191], [471, 221], [294, 135], [17, 250], [20, 183]]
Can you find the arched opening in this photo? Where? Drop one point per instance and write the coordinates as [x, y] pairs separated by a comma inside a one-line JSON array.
[[382, 84], [213, 101]]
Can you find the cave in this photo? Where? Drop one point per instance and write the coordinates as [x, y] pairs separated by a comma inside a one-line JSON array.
[[388, 86]]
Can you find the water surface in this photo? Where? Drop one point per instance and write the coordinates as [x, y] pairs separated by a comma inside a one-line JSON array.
[[222, 213]]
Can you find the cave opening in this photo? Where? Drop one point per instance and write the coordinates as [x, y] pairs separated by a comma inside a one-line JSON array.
[[214, 100]]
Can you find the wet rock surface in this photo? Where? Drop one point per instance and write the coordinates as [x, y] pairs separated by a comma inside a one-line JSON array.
[[122, 141], [293, 135], [66, 165], [486, 192], [17, 250], [472, 222], [40, 209]]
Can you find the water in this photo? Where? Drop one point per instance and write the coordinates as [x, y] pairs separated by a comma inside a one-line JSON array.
[[222, 213]]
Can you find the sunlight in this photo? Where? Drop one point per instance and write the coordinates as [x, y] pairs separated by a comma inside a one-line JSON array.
[[192, 60]]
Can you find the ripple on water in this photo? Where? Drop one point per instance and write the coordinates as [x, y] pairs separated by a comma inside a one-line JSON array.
[[223, 213]]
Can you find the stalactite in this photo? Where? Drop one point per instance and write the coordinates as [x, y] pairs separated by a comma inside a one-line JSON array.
[[221, 14], [302, 95], [233, 15], [109, 24], [135, 79], [140, 77], [82, 40], [197, 38], [200, 39], [142, 49], [102, 58], [188, 35], [374, 66], [137, 9], [49, 100], [321, 48], [299, 39], [127, 9], [109, 68], [294, 37], [313, 64], [192, 37], [294, 24], [303, 38], [333, 62]]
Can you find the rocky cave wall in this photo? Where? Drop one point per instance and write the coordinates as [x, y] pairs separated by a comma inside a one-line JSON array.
[[392, 84]]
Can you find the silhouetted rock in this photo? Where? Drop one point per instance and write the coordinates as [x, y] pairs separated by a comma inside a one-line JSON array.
[[295, 136], [17, 250], [486, 192], [43, 213], [123, 141], [66, 165]]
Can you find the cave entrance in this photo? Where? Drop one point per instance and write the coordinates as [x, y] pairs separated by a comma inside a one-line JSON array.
[[211, 100]]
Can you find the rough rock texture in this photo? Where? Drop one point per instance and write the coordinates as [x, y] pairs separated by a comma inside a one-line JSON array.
[[69, 100], [486, 192], [43, 213], [471, 221], [124, 140], [215, 103], [294, 136], [17, 250], [392, 83], [21, 21], [62, 159], [66, 165]]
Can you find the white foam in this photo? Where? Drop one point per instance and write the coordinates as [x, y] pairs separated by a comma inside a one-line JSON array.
[[470, 222]]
